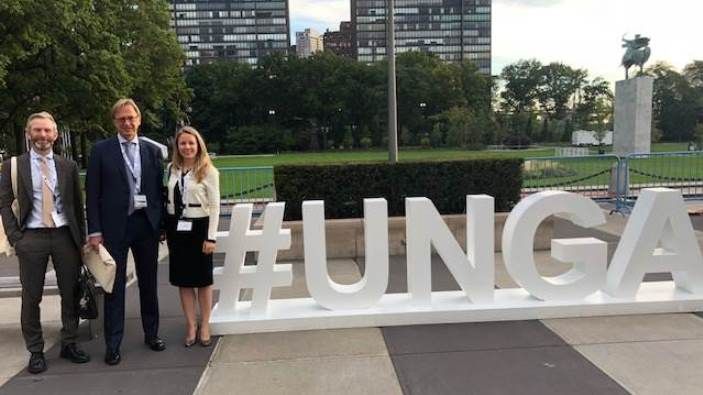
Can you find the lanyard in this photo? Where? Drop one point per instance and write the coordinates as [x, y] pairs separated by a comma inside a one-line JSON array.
[[183, 188], [136, 178]]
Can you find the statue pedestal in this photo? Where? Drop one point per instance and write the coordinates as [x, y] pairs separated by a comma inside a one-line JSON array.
[[633, 116]]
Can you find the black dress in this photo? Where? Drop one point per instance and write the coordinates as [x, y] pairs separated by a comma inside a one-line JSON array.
[[188, 266]]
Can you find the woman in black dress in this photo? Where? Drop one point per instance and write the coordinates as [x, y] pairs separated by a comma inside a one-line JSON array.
[[193, 214]]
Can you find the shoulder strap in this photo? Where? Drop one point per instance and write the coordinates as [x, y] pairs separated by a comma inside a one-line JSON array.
[[13, 172]]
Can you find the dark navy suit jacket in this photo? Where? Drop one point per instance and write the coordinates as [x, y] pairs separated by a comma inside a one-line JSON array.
[[107, 189]]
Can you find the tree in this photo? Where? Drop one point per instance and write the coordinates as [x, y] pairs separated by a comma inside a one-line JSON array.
[[522, 80], [558, 84], [675, 103], [595, 110], [694, 75], [76, 57], [464, 129]]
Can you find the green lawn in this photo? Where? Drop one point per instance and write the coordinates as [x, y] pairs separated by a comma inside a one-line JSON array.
[[410, 155], [300, 158]]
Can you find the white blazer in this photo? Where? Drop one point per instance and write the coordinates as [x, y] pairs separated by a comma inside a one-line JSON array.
[[202, 200]]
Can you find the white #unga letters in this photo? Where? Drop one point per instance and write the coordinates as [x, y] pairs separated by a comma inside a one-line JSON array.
[[658, 238]]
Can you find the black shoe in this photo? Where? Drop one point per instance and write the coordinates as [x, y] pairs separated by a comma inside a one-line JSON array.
[[155, 344], [74, 354], [37, 363], [112, 357]]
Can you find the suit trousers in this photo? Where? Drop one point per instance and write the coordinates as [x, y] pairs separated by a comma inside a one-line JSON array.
[[33, 251], [141, 238]]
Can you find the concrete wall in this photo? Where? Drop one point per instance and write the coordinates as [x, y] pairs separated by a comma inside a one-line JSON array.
[[345, 237]]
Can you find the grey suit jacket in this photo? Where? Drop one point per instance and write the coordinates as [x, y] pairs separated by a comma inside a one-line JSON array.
[[69, 187]]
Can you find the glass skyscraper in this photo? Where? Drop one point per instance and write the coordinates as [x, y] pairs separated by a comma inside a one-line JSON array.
[[455, 30], [239, 30]]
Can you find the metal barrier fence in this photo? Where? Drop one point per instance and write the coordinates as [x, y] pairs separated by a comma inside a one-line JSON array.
[[594, 176], [246, 184], [618, 179], [677, 170]]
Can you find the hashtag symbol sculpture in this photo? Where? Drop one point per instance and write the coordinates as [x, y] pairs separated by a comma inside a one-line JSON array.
[[266, 274]]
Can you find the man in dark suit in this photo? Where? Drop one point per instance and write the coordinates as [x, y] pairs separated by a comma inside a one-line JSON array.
[[50, 224], [125, 204]]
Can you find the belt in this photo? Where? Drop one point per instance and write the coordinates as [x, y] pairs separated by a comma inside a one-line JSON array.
[[193, 205]]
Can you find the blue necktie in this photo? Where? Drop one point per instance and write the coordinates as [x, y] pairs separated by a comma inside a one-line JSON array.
[[130, 177]]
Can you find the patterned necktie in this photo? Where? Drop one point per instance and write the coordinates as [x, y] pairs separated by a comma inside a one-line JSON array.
[[47, 195], [130, 153], [130, 176]]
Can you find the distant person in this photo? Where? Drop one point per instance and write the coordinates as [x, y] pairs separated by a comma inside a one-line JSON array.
[[193, 215], [50, 224], [124, 202]]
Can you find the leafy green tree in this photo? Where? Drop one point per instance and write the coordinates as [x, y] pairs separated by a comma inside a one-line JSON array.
[[558, 85], [595, 110], [675, 103], [436, 136], [74, 58], [522, 81], [464, 129]]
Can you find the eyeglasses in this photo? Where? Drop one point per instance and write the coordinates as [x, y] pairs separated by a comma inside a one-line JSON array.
[[126, 119]]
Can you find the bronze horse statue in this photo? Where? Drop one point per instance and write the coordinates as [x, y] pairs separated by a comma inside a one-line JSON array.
[[638, 53]]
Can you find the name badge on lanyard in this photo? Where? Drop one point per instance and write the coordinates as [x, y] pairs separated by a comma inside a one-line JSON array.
[[184, 225], [140, 201]]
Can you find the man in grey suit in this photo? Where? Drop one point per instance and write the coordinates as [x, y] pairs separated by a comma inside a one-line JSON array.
[[50, 224]]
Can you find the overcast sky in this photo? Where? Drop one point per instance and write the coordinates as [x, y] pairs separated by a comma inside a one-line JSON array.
[[580, 33]]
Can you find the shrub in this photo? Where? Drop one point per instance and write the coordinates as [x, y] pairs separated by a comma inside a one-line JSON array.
[[517, 141], [343, 187]]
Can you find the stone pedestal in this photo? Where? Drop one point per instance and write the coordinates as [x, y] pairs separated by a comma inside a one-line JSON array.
[[633, 116]]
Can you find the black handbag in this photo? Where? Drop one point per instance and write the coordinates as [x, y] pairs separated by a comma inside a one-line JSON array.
[[87, 305]]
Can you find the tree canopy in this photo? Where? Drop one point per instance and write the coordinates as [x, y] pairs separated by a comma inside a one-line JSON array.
[[75, 58]]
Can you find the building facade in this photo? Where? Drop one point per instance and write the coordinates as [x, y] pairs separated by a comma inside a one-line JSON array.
[[238, 30], [454, 30], [307, 43], [341, 42]]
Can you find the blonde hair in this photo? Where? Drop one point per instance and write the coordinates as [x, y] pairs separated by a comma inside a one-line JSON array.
[[202, 159], [122, 103], [39, 115]]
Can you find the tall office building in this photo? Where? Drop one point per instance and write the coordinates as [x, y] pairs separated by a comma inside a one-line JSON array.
[[239, 30], [307, 43], [455, 30], [341, 42]]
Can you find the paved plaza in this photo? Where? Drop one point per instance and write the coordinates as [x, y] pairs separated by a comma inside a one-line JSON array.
[[646, 354]]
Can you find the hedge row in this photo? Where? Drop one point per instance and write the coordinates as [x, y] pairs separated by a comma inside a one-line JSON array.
[[343, 187]]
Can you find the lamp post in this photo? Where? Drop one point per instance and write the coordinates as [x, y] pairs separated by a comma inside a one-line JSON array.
[[392, 101], [272, 117], [423, 108]]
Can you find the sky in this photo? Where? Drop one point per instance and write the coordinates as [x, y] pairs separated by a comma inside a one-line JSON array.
[[581, 33]]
